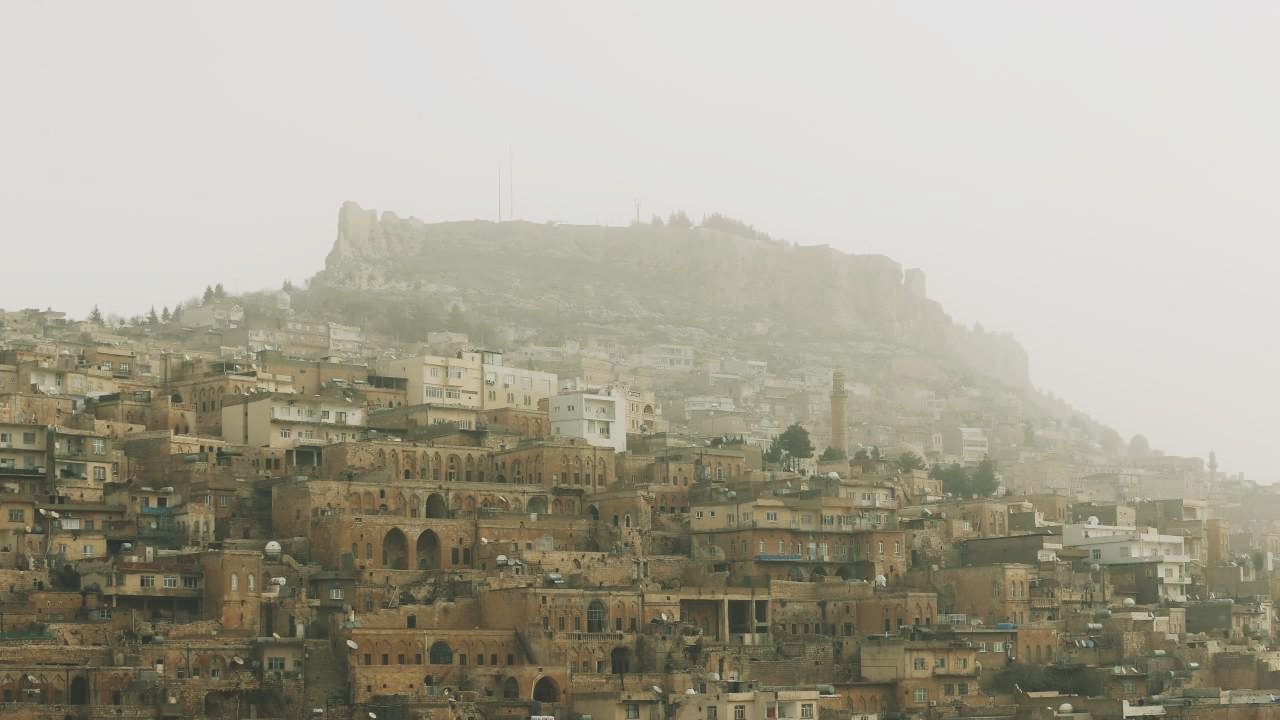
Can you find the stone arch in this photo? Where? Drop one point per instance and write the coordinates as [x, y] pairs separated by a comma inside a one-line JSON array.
[[470, 468], [436, 467], [428, 550], [455, 464], [469, 505], [537, 504], [556, 506], [395, 550], [370, 504], [510, 688], [79, 691], [517, 472], [819, 573], [594, 512], [435, 507], [620, 660], [597, 617], [546, 690], [415, 505], [440, 653]]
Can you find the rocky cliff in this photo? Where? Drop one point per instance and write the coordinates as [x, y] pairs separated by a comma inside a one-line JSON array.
[[724, 284]]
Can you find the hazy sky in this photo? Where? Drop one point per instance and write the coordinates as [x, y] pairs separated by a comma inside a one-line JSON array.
[[1099, 179]]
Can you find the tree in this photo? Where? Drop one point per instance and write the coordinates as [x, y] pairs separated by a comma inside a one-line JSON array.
[[679, 219], [862, 454], [983, 480], [909, 461], [165, 315], [152, 317], [656, 221], [177, 312], [95, 317], [793, 444], [208, 293], [832, 454], [218, 292], [954, 479]]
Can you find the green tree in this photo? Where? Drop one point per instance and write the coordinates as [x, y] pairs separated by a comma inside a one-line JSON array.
[[862, 454], [908, 461], [95, 317], [177, 312], [832, 454], [983, 479], [208, 292], [165, 315], [152, 317], [793, 444], [679, 219], [954, 479], [219, 292], [656, 221]]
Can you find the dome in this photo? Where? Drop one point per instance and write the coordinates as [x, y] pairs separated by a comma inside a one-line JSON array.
[[1065, 709], [273, 548], [1139, 444], [1129, 602]]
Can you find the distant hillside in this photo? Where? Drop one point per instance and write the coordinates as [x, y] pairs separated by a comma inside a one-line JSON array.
[[656, 283]]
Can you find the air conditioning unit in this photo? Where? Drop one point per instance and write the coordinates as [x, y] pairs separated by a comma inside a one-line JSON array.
[[933, 703]]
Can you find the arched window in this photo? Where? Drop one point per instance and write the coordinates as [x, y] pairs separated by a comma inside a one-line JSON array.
[[252, 584], [441, 653], [235, 582]]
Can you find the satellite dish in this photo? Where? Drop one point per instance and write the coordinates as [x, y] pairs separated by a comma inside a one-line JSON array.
[[665, 617], [715, 676], [373, 716], [1093, 520], [656, 689], [352, 644], [55, 515], [1130, 602], [237, 660], [43, 511], [690, 691], [485, 541], [275, 635]]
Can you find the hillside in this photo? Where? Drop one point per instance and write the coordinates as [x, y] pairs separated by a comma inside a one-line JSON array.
[[653, 284]]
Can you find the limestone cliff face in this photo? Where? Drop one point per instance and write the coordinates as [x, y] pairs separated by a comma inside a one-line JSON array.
[[657, 275]]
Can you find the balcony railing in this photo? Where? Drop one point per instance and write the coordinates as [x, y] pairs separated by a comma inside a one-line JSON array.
[[779, 557]]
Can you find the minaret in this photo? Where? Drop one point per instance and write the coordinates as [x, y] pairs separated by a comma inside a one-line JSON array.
[[1213, 472], [839, 414]]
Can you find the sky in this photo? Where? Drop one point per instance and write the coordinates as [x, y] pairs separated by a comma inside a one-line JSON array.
[[1098, 179]]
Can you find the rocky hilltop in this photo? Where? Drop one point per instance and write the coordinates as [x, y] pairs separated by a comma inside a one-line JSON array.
[[697, 282]]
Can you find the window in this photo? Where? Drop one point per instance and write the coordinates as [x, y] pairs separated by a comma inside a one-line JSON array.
[[964, 688], [235, 582], [341, 416], [920, 695], [997, 647], [224, 500], [215, 672], [99, 446], [285, 432], [739, 712], [633, 711], [920, 664], [711, 712], [386, 659], [771, 516], [99, 473], [149, 581], [457, 373], [275, 664], [806, 711], [18, 515], [190, 582], [87, 551], [1097, 555], [697, 514], [324, 414], [949, 689], [940, 662], [28, 438], [252, 583]]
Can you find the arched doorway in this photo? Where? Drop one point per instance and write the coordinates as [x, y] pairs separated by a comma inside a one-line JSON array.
[[546, 690], [395, 550], [428, 550], [510, 689], [819, 573], [79, 691], [594, 512], [620, 661], [435, 507], [537, 504]]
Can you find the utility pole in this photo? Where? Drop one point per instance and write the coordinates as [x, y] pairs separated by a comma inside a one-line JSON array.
[[511, 183], [637, 211]]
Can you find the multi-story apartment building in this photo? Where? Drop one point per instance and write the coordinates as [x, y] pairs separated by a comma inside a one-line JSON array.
[[597, 417], [471, 379], [299, 424]]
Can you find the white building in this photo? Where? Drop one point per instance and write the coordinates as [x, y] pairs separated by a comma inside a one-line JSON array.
[[599, 418], [1116, 545]]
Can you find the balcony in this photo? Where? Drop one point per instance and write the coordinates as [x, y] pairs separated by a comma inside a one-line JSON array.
[[779, 557]]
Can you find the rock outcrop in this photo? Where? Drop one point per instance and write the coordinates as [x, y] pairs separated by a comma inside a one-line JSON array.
[[698, 277]]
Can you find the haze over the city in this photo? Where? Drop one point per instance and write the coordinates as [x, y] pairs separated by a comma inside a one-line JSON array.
[[1096, 179]]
